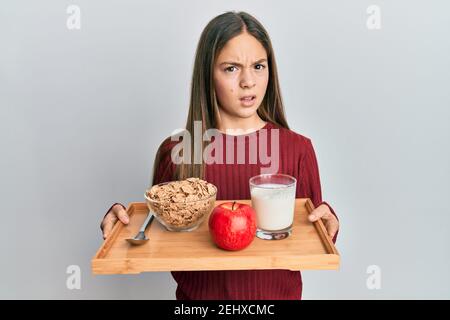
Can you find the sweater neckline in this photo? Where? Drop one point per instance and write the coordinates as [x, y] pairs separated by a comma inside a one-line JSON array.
[[266, 126]]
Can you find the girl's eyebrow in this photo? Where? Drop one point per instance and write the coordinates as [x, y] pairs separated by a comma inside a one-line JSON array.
[[240, 65]]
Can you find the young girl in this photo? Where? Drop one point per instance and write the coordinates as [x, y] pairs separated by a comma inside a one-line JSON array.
[[235, 86]]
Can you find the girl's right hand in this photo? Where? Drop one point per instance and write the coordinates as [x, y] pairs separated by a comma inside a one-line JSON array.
[[117, 212]]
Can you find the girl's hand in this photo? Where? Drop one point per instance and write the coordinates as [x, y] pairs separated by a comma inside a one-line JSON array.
[[329, 220], [116, 213]]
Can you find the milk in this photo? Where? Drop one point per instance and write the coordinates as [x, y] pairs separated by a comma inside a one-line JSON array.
[[274, 205]]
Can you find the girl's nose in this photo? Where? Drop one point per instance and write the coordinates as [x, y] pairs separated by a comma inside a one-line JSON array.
[[247, 80]]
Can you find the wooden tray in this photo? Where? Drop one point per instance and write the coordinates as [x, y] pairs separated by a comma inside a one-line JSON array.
[[308, 247]]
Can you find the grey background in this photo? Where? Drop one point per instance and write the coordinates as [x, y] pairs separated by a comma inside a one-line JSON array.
[[82, 113]]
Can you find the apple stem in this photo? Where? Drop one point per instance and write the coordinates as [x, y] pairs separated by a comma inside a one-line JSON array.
[[232, 207]]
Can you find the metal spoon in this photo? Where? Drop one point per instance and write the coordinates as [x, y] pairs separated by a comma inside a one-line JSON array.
[[140, 238]]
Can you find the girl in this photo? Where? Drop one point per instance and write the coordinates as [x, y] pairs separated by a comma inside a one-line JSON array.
[[235, 86]]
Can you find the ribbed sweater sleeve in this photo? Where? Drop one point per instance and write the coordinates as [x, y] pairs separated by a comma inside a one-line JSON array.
[[310, 178], [166, 168]]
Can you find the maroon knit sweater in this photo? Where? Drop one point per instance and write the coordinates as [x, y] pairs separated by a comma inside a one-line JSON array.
[[296, 158]]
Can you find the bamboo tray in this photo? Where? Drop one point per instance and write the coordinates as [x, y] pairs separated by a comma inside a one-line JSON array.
[[308, 247]]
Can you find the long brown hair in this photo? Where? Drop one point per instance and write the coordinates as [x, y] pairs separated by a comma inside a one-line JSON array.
[[203, 104]]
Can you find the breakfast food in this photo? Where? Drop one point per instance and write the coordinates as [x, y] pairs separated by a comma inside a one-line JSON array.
[[232, 225], [182, 204]]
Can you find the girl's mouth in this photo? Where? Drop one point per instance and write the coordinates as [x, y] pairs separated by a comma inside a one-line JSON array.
[[248, 100]]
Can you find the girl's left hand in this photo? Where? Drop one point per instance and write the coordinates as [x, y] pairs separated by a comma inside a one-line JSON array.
[[330, 221]]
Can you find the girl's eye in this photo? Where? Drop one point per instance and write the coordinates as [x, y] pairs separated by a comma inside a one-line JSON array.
[[229, 69], [258, 67]]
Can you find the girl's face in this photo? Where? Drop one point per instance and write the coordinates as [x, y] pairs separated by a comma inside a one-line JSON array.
[[241, 76]]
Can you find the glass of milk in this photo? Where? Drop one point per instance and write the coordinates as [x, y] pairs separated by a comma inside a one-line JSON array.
[[273, 198]]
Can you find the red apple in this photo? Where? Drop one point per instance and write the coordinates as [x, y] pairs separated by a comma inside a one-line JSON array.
[[232, 225]]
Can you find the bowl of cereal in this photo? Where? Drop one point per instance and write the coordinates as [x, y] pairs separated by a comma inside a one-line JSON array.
[[181, 205]]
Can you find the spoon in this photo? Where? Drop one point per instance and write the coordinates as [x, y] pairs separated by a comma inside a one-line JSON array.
[[140, 238]]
